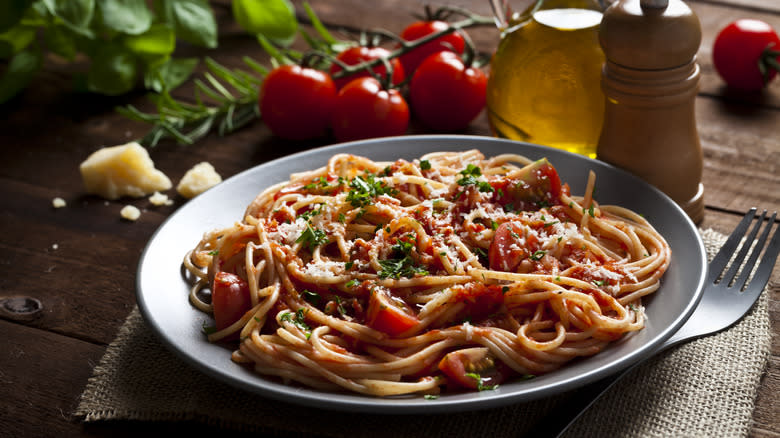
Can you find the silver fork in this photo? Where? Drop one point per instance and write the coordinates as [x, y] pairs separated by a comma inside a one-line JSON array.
[[726, 299]]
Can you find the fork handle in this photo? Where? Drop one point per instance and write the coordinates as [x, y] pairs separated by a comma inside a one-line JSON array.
[[557, 423]]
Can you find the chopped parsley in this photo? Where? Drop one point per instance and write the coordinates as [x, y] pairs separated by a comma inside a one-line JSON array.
[[494, 225], [590, 211], [214, 252], [322, 182], [425, 164], [364, 190], [342, 218], [312, 297], [402, 264], [480, 384], [307, 215], [430, 396], [599, 283], [351, 283], [298, 319], [312, 237], [537, 255], [208, 329], [470, 175], [348, 265], [504, 289]]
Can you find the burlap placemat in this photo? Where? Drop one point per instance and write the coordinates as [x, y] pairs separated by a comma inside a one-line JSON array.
[[704, 388]]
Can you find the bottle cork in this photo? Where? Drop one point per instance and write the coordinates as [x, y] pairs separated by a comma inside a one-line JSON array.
[[650, 81]]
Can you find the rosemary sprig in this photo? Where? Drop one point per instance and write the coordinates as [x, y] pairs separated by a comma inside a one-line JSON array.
[[232, 103]]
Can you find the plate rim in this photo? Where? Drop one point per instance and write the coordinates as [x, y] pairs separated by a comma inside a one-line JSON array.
[[366, 404]]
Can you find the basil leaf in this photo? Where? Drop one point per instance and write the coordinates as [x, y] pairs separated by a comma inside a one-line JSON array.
[[61, 41], [16, 39], [193, 21], [274, 19], [158, 40], [112, 72], [125, 16], [76, 14], [20, 71], [11, 12], [170, 74]]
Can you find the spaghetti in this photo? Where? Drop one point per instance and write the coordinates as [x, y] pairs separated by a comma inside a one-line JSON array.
[[451, 271]]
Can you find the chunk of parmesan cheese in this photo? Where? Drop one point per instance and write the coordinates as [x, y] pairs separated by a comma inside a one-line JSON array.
[[160, 199], [124, 170], [130, 213], [197, 180]]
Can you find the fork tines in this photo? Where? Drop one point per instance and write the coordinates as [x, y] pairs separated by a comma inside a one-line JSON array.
[[739, 236]]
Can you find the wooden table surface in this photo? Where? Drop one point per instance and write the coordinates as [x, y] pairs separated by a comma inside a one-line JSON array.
[[80, 261]]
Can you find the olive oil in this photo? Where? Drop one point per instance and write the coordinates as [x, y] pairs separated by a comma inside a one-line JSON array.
[[544, 84]]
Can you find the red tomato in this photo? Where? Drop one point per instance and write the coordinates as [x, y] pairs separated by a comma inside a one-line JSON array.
[[445, 94], [389, 314], [739, 49], [364, 110], [473, 368], [356, 55], [538, 183], [296, 102], [230, 298], [503, 255], [413, 58]]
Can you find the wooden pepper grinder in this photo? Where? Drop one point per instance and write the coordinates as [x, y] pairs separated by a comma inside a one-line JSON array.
[[650, 81]]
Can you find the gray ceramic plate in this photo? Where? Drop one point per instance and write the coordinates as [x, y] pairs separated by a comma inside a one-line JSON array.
[[163, 293]]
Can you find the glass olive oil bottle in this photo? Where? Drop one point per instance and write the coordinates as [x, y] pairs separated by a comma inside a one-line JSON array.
[[544, 84]]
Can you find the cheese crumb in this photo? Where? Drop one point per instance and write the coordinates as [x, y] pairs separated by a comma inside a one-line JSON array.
[[160, 199], [197, 180], [130, 213], [124, 170], [58, 203]]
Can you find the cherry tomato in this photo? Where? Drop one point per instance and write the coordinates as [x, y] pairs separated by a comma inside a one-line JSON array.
[[389, 314], [356, 55], [230, 299], [412, 59], [364, 110], [445, 94], [296, 102], [505, 254], [537, 184], [738, 50], [473, 368]]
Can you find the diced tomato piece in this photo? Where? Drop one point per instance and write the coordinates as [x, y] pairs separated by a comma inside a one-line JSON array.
[[504, 254], [389, 314], [230, 298], [473, 368], [537, 185]]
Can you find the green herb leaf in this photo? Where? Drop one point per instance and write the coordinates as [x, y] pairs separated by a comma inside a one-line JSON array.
[[312, 237], [274, 19], [298, 319], [158, 40], [20, 71], [170, 74], [537, 255], [76, 14], [364, 190], [113, 71], [480, 385], [193, 21], [61, 41], [126, 16], [312, 297], [425, 164]]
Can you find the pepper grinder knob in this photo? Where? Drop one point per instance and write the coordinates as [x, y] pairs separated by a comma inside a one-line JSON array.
[[650, 81]]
